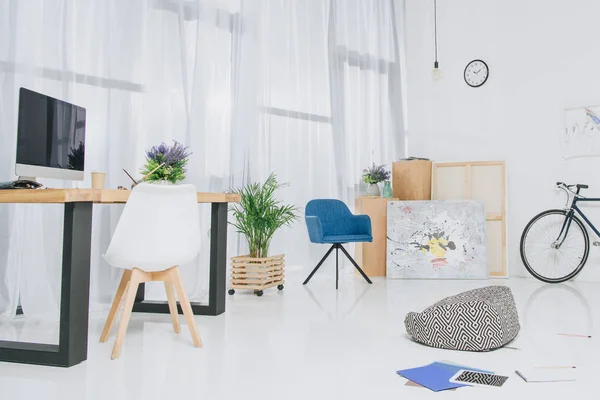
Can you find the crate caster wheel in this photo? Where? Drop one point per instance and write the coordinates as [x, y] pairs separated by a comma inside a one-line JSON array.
[[280, 287], [258, 293], [231, 291]]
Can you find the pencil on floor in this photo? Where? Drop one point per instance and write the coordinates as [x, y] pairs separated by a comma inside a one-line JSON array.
[[574, 335]]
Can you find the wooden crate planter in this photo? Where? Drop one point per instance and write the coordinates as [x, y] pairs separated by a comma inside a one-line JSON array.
[[257, 273]]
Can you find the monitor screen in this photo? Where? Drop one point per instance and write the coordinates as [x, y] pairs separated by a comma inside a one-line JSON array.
[[51, 132]]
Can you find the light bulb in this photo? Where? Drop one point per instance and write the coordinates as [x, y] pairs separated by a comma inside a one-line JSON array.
[[437, 73]]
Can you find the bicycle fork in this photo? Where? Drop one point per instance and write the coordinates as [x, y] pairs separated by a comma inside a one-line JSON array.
[[564, 231]]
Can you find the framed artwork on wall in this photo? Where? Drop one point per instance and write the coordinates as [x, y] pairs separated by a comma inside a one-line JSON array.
[[581, 136]]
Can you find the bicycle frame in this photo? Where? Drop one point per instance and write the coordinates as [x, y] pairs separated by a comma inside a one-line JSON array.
[[569, 217]]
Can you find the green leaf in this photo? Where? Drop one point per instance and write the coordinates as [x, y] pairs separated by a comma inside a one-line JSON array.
[[259, 214]]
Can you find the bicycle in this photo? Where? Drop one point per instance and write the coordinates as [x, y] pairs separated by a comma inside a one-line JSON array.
[[554, 249]]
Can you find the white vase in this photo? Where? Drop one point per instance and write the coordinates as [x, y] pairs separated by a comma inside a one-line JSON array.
[[373, 190]]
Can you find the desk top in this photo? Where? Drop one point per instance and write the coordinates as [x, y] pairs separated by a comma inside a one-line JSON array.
[[103, 196]]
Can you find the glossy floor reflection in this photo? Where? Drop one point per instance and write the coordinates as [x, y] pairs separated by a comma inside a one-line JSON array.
[[311, 342]]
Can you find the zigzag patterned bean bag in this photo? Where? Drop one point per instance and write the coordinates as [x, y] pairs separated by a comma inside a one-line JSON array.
[[477, 320]]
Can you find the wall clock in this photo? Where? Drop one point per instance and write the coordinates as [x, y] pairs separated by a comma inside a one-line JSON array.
[[476, 73]]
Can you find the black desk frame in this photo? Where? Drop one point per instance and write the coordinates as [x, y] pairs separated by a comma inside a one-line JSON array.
[[75, 290]]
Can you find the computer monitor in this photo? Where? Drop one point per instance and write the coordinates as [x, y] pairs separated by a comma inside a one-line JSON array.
[[50, 138]]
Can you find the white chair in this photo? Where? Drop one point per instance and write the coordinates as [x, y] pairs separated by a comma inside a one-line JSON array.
[[158, 231]]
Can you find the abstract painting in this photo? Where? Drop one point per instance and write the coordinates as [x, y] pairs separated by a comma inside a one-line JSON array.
[[581, 137], [440, 239]]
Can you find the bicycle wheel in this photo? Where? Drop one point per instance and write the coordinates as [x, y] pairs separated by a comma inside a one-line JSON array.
[[543, 260]]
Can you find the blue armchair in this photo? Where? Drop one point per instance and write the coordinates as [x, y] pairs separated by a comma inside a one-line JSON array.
[[330, 221]]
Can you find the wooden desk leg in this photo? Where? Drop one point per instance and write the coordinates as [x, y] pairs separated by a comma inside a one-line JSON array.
[[74, 298], [217, 284]]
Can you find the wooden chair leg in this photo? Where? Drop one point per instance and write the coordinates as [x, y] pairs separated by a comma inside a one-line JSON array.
[[173, 306], [185, 306], [112, 315], [136, 278]]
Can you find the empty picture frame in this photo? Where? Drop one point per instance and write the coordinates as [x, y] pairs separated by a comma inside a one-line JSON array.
[[479, 180]]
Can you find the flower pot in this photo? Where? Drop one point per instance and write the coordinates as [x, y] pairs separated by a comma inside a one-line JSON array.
[[373, 190], [257, 273]]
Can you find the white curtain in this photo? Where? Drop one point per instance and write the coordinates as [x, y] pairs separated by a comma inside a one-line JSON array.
[[308, 89], [326, 84]]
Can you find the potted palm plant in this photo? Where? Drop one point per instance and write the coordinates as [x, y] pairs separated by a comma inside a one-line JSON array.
[[258, 216]]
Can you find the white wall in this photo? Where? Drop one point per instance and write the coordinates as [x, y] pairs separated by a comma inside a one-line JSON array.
[[543, 58]]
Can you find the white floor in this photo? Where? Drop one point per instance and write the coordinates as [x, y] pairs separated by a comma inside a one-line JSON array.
[[311, 342]]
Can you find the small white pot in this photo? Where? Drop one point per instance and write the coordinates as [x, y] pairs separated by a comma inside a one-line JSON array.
[[373, 190]]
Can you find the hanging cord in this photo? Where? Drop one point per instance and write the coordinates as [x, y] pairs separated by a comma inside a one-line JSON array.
[[435, 31]]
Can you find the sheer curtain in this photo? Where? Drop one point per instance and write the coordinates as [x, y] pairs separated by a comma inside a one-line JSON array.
[[146, 72], [328, 93], [308, 89]]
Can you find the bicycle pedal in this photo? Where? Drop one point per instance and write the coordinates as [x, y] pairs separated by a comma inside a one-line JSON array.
[[596, 244]]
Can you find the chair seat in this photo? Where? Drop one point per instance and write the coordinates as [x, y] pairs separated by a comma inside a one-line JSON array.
[[347, 238]]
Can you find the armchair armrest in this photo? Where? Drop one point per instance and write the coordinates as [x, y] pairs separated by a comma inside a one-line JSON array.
[[362, 224], [315, 230]]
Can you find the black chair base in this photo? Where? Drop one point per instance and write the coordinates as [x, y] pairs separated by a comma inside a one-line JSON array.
[[337, 246]]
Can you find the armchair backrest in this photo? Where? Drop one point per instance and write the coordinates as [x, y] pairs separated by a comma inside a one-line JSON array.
[[327, 209], [326, 217]]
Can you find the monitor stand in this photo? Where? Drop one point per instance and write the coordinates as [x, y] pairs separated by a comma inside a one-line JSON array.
[[27, 178]]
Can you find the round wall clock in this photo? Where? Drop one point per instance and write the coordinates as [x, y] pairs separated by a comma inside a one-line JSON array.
[[476, 73]]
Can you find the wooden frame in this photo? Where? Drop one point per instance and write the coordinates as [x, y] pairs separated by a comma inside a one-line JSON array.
[[464, 191]]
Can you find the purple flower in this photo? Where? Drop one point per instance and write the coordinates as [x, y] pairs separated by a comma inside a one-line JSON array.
[[375, 174], [170, 155]]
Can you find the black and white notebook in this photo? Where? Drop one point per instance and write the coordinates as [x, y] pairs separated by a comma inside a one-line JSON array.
[[547, 374]]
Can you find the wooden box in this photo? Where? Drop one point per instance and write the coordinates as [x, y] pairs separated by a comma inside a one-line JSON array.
[[411, 180], [371, 256], [257, 273]]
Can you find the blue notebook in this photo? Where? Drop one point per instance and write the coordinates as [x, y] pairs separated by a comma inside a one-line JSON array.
[[436, 376]]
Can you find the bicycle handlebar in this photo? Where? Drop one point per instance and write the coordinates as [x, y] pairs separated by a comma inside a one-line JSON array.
[[570, 188]]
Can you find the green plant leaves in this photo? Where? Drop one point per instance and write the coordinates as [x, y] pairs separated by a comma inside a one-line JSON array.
[[173, 157], [172, 173], [259, 215]]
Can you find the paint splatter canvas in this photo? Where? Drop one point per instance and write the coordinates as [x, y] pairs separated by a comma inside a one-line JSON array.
[[440, 239], [581, 137]]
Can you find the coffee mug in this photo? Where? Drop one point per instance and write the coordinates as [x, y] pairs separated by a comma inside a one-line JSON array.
[[98, 180]]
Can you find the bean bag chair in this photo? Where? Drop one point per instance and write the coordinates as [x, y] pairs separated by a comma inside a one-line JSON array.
[[478, 320]]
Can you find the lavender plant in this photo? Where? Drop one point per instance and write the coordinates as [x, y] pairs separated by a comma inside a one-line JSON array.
[[375, 174], [174, 157]]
